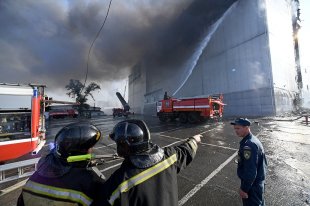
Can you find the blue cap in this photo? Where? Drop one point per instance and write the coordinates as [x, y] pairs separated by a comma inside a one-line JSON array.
[[241, 121]]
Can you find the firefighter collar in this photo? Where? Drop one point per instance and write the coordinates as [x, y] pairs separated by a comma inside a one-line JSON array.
[[52, 166], [149, 158], [245, 139]]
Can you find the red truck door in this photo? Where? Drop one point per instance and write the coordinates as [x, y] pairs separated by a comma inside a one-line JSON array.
[[167, 105]]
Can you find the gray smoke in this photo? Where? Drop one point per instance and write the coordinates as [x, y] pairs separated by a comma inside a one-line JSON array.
[[48, 41], [182, 36]]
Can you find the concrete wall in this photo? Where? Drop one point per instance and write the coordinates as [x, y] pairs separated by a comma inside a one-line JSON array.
[[306, 86], [137, 88]]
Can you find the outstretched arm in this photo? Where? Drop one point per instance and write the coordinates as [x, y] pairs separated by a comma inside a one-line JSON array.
[[187, 151]]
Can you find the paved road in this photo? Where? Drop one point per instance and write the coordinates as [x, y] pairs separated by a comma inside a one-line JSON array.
[[211, 178]]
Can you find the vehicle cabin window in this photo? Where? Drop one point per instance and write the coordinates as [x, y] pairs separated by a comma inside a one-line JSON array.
[[216, 106], [167, 104], [15, 125]]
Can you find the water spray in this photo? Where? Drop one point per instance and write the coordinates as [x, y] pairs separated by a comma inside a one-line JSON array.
[[196, 56]]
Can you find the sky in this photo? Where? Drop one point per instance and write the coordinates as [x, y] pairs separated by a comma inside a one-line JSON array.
[[47, 42]]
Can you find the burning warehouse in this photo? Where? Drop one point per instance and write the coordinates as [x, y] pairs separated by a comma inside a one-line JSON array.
[[242, 49]]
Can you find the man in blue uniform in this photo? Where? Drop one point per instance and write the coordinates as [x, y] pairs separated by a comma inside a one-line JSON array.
[[252, 164]]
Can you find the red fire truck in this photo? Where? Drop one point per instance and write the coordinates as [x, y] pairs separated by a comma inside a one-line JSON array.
[[63, 113], [22, 129], [190, 110]]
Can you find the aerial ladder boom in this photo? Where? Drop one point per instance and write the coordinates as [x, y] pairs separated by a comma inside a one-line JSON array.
[[124, 103]]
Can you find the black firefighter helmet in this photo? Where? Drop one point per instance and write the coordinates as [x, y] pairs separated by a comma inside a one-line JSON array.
[[131, 136], [76, 139]]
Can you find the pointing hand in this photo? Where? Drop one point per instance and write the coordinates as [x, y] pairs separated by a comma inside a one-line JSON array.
[[197, 138]]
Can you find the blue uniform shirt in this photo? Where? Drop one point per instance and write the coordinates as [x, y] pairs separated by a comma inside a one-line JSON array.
[[252, 164]]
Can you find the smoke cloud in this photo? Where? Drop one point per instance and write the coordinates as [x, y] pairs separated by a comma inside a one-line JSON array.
[[48, 41]]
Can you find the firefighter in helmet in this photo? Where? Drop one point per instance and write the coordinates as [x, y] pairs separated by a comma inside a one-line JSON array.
[[147, 169], [59, 180]]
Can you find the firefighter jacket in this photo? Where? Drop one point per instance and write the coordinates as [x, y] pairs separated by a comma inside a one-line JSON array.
[[252, 163], [58, 183], [152, 186]]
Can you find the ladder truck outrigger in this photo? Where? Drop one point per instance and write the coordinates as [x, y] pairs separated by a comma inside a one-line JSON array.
[[192, 110]]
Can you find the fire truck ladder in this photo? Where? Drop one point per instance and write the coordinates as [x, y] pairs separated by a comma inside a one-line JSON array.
[[17, 170]]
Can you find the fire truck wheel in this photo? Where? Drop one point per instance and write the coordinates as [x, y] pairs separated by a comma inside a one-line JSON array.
[[203, 119], [172, 119], [193, 117], [162, 118], [183, 117]]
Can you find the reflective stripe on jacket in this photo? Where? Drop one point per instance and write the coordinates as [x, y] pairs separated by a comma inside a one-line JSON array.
[[37, 189], [141, 177], [156, 185]]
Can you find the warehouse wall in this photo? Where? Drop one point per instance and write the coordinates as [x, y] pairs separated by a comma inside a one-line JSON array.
[[136, 90], [249, 59], [237, 64]]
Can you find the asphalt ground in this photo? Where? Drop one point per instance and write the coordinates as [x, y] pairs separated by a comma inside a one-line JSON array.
[[211, 178]]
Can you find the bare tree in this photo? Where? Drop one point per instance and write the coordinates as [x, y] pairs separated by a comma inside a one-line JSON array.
[[75, 88]]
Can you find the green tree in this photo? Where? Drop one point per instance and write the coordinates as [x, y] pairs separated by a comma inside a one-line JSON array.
[[75, 88]]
